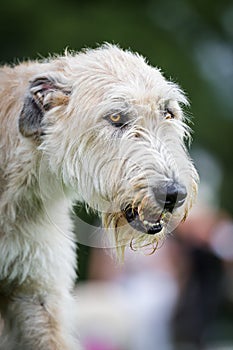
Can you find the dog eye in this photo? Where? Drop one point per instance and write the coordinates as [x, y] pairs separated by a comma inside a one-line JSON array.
[[118, 120], [115, 118], [168, 114]]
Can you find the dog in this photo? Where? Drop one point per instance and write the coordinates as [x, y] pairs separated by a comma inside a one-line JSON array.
[[101, 127]]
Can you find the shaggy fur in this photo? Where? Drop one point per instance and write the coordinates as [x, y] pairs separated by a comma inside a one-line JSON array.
[[60, 142]]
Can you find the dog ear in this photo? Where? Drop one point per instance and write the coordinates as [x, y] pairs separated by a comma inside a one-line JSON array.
[[44, 94]]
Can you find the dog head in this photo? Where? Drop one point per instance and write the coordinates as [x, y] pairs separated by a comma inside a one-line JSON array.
[[112, 128]]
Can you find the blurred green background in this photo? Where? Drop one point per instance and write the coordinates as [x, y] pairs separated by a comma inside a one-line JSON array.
[[191, 40]]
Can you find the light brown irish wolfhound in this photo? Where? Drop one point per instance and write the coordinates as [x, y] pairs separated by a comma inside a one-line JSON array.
[[100, 127]]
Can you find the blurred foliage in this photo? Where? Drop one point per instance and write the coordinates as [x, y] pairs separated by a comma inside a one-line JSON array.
[[191, 40], [84, 250]]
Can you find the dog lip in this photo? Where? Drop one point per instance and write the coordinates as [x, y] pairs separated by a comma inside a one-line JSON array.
[[145, 226]]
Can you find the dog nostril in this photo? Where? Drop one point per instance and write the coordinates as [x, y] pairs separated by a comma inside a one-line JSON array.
[[172, 196]]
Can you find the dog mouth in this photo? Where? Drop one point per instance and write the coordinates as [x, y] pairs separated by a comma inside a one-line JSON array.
[[144, 223]]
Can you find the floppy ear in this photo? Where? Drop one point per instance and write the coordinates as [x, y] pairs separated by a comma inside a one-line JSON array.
[[43, 95]]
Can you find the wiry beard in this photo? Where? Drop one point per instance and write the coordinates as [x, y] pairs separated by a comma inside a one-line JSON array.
[[139, 237], [126, 236]]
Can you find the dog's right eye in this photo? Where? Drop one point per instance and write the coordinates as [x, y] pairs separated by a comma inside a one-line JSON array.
[[117, 119]]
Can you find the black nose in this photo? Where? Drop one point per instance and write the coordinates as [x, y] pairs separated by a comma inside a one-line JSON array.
[[171, 196]]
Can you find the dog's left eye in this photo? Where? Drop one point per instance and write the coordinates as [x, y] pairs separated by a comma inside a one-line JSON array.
[[168, 114], [117, 119]]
